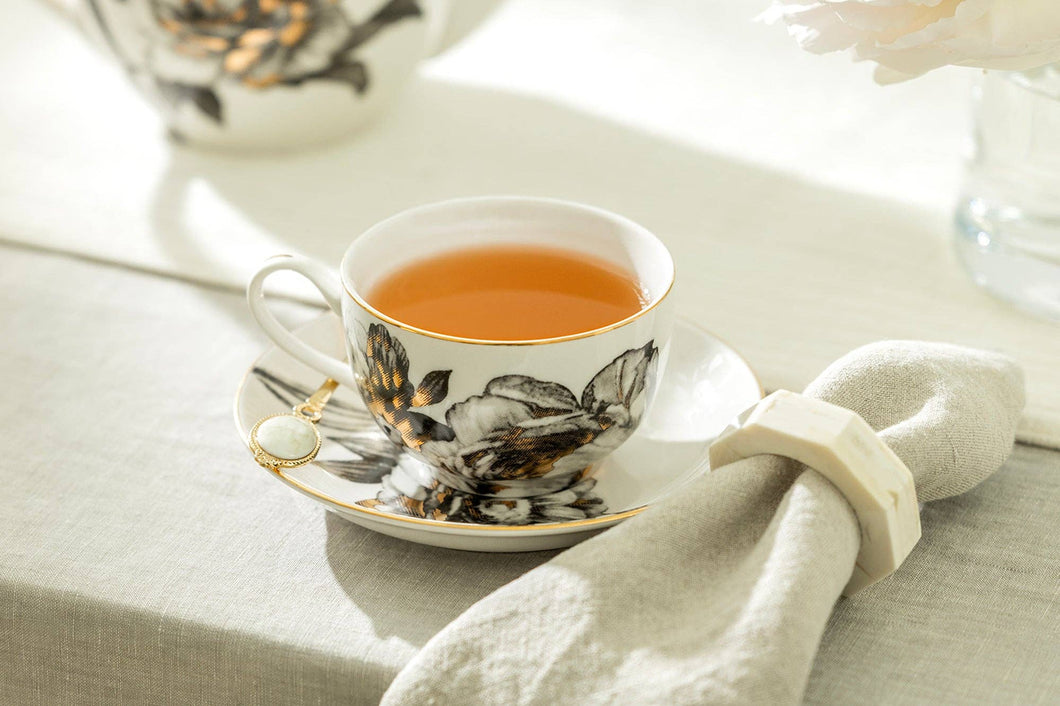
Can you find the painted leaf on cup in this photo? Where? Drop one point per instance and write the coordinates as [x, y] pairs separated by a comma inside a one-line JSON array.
[[432, 389], [622, 382]]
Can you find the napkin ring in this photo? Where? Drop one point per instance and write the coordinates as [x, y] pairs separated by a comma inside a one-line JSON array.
[[840, 445]]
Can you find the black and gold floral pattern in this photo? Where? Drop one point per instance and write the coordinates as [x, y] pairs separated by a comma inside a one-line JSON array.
[[518, 429], [518, 454], [357, 451], [194, 45], [389, 394], [412, 489]]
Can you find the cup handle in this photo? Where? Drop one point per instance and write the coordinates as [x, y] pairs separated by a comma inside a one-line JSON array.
[[328, 284]]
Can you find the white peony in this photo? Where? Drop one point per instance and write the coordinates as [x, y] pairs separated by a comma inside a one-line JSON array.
[[910, 37]]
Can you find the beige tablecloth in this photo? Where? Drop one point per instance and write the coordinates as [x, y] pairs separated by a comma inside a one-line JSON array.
[[145, 558]]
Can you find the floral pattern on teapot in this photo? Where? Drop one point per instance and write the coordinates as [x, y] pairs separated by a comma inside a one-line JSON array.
[[191, 46]]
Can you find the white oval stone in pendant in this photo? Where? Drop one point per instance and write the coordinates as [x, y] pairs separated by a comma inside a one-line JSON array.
[[287, 437]]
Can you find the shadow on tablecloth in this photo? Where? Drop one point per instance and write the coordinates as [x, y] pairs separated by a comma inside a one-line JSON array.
[[418, 589]]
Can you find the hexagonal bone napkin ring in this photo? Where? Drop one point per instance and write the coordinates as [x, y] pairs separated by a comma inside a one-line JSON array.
[[841, 446]]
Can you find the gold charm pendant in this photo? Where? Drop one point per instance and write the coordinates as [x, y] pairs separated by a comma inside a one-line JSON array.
[[292, 439]]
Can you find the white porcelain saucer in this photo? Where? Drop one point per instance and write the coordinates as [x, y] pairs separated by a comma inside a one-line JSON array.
[[361, 476]]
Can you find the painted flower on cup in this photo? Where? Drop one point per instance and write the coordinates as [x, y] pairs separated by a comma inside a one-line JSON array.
[[522, 428], [910, 37], [519, 428], [194, 45], [412, 489]]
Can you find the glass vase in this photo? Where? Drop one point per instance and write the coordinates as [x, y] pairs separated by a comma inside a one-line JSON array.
[[1008, 216]]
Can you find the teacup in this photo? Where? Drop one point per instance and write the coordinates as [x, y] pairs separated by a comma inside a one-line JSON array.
[[508, 418]]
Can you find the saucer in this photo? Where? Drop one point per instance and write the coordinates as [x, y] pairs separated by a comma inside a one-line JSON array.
[[363, 477]]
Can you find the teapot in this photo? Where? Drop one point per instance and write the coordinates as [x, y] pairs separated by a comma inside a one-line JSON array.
[[252, 74]]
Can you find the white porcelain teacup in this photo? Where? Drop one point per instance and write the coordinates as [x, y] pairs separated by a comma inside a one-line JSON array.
[[515, 418]]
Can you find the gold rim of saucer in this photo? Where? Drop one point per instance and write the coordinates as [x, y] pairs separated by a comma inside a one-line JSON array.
[[275, 463], [456, 525]]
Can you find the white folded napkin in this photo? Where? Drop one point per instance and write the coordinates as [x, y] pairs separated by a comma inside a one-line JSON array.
[[720, 593]]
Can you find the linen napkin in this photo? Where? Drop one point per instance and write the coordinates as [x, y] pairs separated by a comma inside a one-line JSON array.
[[720, 593]]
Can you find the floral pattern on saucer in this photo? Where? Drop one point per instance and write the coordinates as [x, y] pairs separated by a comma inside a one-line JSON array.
[[519, 429], [413, 489], [356, 450]]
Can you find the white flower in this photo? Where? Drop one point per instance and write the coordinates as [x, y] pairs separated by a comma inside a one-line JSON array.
[[910, 37], [506, 512]]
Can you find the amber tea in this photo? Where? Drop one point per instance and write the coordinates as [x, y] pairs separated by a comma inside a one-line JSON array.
[[508, 293]]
